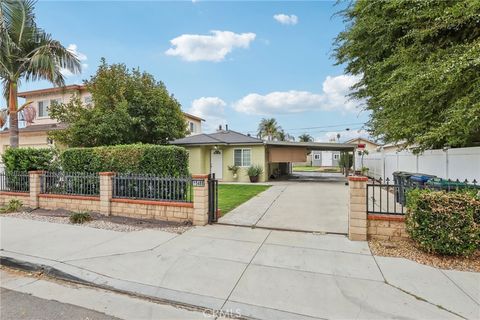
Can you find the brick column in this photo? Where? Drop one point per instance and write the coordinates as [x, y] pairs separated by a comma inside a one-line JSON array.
[[34, 188], [357, 208], [200, 201], [106, 190]]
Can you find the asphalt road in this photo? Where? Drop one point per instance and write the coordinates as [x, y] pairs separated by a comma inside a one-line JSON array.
[[21, 306]]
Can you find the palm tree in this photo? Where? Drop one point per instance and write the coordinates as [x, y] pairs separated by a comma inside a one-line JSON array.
[[28, 52], [305, 138], [284, 136], [268, 129]]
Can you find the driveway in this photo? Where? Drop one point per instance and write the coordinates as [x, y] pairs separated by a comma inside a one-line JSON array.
[[310, 201]]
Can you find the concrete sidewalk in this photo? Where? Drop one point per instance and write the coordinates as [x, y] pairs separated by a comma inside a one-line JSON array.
[[259, 273]]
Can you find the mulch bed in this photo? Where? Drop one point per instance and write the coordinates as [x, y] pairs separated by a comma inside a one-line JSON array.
[[115, 223], [407, 249]]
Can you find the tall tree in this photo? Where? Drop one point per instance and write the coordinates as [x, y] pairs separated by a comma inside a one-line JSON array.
[[305, 138], [129, 106], [27, 52], [419, 68], [268, 129]]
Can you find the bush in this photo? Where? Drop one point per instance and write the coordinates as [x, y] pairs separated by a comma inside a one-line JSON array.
[[254, 171], [27, 159], [13, 205], [80, 217], [135, 158], [443, 223]]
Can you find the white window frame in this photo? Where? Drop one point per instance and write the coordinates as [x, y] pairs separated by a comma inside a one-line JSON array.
[[46, 104], [242, 150], [87, 100], [191, 127]]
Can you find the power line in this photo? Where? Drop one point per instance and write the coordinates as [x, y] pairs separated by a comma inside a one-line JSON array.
[[320, 127]]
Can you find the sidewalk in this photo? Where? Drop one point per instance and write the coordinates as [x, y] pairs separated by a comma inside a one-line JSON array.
[[260, 273]]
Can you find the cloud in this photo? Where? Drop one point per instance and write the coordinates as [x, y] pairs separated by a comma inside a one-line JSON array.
[[213, 47], [286, 19], [212, 109], [334, 96], [345, 135], [80, 56]]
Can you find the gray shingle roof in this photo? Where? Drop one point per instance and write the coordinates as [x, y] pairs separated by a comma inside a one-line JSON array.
[[220, 137]]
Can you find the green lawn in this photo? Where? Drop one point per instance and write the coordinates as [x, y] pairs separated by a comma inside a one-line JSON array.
[[231, 196], [315, 169]]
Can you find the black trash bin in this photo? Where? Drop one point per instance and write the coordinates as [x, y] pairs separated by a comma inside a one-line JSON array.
[[401, 180]]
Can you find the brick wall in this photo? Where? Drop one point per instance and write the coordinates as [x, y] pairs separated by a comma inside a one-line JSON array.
[[168, 211], [386, 227], [68, 202], [5, 197]]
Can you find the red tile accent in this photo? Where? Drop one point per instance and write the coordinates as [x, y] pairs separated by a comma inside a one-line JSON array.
[[357, 178], [106, 173], [68, 196], [9, 193], [385, 217], [199, 176], [155, 203], [36, 172]]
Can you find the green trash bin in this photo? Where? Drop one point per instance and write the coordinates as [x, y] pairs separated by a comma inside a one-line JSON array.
[[449, 185]]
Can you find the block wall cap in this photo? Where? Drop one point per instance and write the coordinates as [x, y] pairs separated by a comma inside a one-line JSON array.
[[357, 178], [386, 217], [36, 172], [68, 196], [199, 176], [10, 193], [106, 173]]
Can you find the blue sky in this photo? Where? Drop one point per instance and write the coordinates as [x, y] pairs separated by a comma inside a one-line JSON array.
[[229, 62]]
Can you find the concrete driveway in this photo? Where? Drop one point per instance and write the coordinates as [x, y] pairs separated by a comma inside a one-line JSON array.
[[315, 202]]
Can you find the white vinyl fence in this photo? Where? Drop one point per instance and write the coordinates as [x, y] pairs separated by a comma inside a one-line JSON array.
[[459, 163]]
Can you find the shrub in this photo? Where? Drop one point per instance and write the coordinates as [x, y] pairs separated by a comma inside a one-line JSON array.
[[27, 159], [80, 217], [443, 223], [13, 205], [254, 171], [135, 158]]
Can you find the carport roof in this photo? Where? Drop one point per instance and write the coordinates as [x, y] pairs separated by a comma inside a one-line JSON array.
[[320, 146]]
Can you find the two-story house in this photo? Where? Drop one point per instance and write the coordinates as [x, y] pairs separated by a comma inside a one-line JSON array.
[[36, 133]]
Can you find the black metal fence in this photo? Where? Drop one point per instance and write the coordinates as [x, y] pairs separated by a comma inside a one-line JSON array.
[[212, 198], [14, 181], [384, 197], [73, 183], [151, 187]]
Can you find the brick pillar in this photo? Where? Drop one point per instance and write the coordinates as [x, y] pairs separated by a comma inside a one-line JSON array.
[[200, 201], [357, 208], [106, 190], [34, 188]]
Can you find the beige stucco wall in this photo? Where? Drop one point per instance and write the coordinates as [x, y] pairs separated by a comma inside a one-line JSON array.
[[197, 125], [26, 139], [199, 161]]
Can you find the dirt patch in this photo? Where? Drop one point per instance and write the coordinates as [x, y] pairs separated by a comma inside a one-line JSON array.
[[407, 249], [99, 221]]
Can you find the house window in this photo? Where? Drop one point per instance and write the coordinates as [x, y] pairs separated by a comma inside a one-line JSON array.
[[42, 109], [336, 156], [192, 127], [242, 157], [316, 156]]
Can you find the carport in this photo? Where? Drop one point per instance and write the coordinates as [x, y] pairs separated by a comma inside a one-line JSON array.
[[281, 154]]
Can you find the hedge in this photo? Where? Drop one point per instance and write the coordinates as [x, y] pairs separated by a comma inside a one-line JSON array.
[[137, 158], [27, 159], [443, 223]]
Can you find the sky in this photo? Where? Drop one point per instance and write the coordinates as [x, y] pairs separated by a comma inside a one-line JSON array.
[[229, 62]]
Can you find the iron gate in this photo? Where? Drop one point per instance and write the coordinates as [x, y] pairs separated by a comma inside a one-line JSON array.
[[212, 198]]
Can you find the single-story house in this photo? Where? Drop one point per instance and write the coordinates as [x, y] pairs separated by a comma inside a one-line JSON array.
[[216, 152]]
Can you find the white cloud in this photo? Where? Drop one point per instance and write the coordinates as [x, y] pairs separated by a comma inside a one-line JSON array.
[[213, 47], [212, 109], [345, 135], [333, 97], [286, 19], [80, 56]]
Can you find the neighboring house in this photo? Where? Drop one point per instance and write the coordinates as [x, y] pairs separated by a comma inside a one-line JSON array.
[[365, 144], [36, 133], [325, 158], [216, 152]]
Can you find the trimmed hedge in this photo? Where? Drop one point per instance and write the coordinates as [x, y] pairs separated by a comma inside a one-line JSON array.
[[443, 223], [28, 159], [136, 158]]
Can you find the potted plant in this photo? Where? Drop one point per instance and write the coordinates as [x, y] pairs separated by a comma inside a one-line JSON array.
[[254, 172], [234, 170]]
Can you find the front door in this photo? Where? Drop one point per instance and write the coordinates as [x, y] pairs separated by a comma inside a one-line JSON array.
[[217, 163]]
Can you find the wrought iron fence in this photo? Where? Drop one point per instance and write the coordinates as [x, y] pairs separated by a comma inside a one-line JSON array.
[[151, 187], [384, 197], [14, 181], [70, 183]]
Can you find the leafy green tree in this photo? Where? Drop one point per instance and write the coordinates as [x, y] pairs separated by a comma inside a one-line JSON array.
[[27, 52], [305, 138], [129, 106], [419, 68]]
